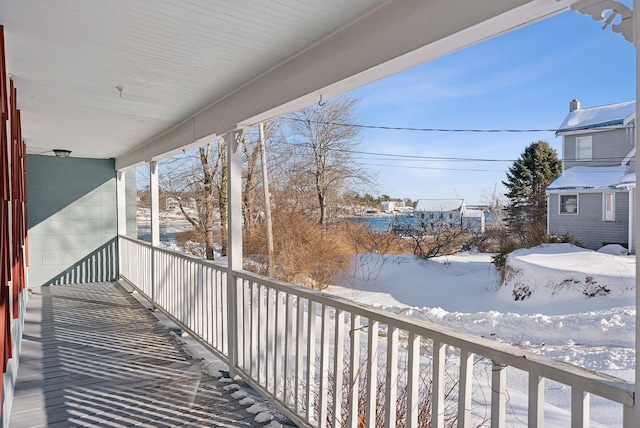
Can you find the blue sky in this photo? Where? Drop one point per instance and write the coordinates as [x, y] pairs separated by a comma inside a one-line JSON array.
[[522, 80]]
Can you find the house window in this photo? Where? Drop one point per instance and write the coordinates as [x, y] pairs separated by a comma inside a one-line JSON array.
[[609, 207], [569, 204], [583, 148]]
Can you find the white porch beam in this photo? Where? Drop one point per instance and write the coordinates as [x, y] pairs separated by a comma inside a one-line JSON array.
[[397, 36]]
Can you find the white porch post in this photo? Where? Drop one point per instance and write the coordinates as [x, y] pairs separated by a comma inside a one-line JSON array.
[[155, 226], [636, 42], [121, 207], [632, 223], [234, 238], [122, 202], [155, 198]]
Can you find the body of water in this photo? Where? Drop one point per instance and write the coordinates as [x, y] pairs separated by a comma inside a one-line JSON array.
[[377, 224], [164, 236], [383, 223]]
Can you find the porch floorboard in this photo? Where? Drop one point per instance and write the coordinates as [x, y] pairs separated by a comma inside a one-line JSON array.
[[92, 355]]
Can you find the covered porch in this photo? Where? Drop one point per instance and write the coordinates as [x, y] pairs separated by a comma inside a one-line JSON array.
[[94, 355], [124, 84]]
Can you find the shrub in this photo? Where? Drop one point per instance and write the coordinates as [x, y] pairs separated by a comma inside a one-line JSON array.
[[566, 238], [306, 253]]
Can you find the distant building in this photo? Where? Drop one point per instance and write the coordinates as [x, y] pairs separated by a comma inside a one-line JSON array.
[[434, 213], [474, 220], [391, 206]]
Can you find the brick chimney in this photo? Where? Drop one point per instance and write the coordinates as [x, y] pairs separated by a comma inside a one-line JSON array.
[[574, 105]]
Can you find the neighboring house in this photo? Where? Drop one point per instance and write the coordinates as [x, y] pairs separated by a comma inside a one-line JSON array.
[[592, 200], [474, 220], [172, 203], [434, 213], [391, 206]]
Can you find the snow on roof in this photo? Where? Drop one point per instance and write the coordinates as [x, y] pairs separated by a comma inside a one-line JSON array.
[[435, 205], [628, 180], [597, 117], [590, 177]]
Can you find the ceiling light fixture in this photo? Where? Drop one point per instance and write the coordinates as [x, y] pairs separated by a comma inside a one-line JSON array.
[[62, 153]]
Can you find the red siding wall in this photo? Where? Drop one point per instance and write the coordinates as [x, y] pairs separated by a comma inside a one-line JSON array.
[[13, 226]]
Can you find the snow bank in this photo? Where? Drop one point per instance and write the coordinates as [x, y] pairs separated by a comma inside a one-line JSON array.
[[557, 319], [564, 273]]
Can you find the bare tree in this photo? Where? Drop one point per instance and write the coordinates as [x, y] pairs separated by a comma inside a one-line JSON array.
[[326, 144], [199, 175]]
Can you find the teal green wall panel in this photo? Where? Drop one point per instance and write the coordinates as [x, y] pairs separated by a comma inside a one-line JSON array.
[[72, 220]]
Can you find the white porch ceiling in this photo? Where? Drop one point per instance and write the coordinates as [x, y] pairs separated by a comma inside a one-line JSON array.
[[189, 69]]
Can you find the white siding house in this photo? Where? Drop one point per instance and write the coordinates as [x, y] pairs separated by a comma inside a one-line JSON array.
[[474, 220], [391, 206], [433, 213], [592, 200]]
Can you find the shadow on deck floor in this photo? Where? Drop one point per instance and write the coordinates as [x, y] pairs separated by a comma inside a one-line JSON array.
[[92, 355]]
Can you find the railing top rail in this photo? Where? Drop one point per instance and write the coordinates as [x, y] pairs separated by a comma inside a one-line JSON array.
[[597, 383], [212, 263]]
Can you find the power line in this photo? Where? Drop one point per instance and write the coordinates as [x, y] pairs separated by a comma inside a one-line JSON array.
[[402, 128], [430, 168], [406, 158]]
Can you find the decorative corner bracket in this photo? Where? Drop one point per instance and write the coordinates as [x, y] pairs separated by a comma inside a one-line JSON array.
[[235, 135], [607, 11]]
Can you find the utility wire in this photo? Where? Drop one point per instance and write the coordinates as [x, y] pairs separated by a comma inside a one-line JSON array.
[[402, 128], [407, 158], [430, 168]]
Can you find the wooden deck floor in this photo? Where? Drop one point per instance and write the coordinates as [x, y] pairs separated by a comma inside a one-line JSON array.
[[92, 355]]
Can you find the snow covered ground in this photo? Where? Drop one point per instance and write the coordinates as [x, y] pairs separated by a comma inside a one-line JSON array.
[[557, 318]]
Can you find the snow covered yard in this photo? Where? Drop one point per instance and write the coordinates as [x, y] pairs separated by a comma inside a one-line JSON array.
[[580, 309]]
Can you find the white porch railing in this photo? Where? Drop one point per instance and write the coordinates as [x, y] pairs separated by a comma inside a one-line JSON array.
[[326, 361]]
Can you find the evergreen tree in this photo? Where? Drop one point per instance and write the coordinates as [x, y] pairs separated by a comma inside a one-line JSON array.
[[526, 184]]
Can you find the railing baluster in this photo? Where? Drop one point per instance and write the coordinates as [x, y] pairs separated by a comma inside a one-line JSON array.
[[217, 311], [224, 314], [413, 376], [372, 373], [299, 356], [536, 401], [338, 367], [208, 308], [289, 352], [465, 389], [311, 354], [579, 408], [437, 402], [324, 366], [254, 357], [261, 336], [277, 359], [498, 394], [354, 372], [391, 387], [273, 327], [245, 303]]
